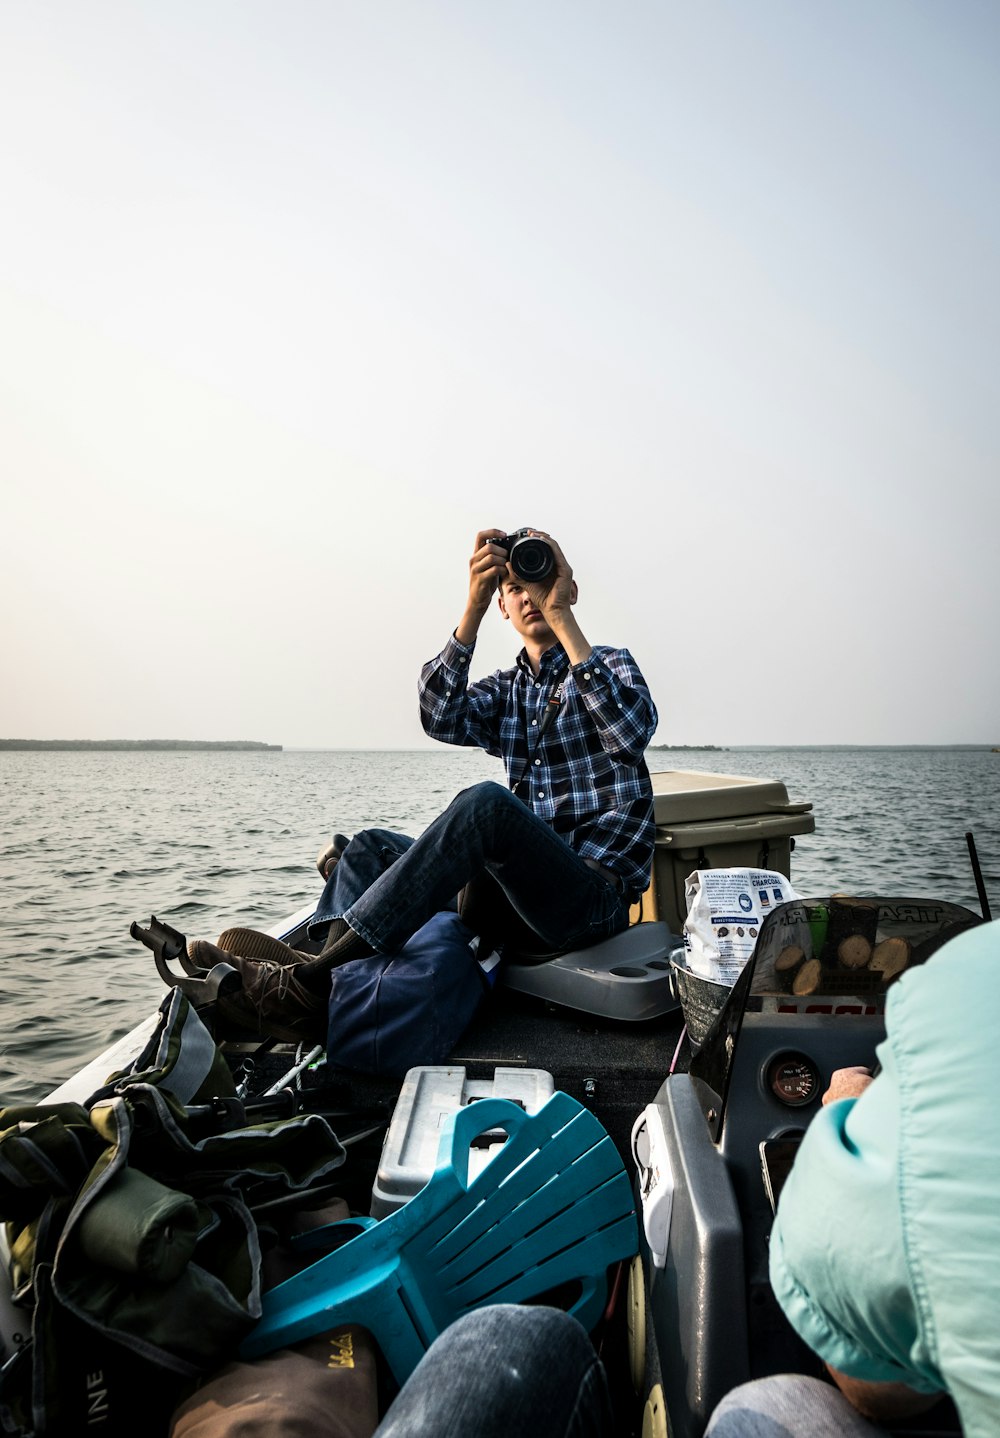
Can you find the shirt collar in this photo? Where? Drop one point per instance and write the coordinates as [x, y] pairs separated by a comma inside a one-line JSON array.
[[553, 659]]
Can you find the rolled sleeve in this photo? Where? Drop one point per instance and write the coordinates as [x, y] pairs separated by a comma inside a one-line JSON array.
[[838, 1261]]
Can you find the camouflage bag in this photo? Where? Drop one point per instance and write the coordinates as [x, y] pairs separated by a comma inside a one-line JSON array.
[[133, 1243]]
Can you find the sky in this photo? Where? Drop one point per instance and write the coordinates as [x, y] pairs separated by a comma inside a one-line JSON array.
[[295, 298]]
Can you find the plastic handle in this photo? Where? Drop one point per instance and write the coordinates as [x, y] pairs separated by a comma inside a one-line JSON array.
[[473, 1119], [720, 831]]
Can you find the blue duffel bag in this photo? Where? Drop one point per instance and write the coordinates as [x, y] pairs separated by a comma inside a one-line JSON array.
[[388, 1015]]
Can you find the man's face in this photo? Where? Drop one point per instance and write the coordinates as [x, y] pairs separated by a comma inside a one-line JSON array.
[[522, 611]]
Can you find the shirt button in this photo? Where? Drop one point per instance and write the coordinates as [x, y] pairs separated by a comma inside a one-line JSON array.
[[538, 761], [535, 721], [538, 684], [541, 793], [586, 676]]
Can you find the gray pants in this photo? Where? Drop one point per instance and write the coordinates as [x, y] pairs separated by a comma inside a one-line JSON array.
[[788, 1406]]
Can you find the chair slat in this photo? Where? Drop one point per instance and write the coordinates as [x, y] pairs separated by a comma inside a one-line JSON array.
[[553, 1206]]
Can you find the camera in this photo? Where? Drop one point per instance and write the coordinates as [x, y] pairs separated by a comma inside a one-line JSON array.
[[529, 557]]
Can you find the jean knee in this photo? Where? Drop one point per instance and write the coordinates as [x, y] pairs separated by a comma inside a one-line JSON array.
[[785, 1403], [523, 1333], [484, 799], [377, 842]]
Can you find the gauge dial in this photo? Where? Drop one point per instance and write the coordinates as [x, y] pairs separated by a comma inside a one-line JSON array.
[[793, 1079]]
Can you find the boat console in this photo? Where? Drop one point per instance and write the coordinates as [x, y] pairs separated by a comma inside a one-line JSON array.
[[716, 1143]]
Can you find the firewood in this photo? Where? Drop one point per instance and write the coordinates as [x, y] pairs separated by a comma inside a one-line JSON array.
[[789, 958], [848, 917], [808, 978], [890, 958], [854, 951]]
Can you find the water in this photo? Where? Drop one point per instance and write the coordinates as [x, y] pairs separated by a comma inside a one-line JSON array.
[[91, 841]]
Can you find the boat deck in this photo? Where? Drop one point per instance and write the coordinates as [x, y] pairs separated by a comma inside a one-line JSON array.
[[613, 1067]]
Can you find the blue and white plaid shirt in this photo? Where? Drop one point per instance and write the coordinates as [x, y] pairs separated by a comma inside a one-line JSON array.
[[588, 778]]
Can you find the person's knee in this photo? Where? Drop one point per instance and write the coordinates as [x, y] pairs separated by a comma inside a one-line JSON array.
[[785, 1405], [532, 1323], [485, 799], [533, 1369], [521, 1333], [530, 1344], [385, 844]]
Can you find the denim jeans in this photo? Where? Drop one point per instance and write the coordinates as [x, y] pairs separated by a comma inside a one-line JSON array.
[[485, 830], [365, 859], [788, 1405], [505, 1372]]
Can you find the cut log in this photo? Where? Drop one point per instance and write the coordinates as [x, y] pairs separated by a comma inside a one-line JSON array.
[[808, 978], [789, 958], [854, 951], [849, 917], [890, 958]]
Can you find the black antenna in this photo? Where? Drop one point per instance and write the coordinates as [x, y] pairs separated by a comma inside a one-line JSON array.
[[977, 874]]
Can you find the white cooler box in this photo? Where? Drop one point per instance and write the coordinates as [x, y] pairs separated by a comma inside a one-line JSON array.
[[428, 1096]]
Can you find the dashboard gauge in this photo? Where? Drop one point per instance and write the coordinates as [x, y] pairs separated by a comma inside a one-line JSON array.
[[793, 1079]]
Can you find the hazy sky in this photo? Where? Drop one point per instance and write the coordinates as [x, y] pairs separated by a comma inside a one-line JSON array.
[[295, 297]]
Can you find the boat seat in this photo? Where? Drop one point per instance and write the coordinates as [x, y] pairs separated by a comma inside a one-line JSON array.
[[626, 977], [554, 1206]]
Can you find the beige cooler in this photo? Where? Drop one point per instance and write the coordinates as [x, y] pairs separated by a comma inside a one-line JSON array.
[[717, 821]]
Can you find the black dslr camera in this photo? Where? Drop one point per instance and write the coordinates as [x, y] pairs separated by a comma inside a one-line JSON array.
[[529, 557]]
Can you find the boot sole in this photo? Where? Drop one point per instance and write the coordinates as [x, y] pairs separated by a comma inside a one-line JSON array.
[[251, 944]]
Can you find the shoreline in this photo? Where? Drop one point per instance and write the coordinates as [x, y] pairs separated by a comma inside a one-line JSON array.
[[253, 745]]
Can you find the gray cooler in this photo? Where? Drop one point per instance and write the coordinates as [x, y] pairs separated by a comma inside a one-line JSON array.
[[717, 821]]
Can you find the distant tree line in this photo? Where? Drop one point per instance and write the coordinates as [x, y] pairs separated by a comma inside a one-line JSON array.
[[136, 744], [715, 748]]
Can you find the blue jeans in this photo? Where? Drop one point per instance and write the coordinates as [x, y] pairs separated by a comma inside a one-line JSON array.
[[788, 1405], [486, 831], [505, 1372], [365, 859]]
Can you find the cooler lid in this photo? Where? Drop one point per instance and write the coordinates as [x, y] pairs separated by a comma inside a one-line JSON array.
[[684, 797]]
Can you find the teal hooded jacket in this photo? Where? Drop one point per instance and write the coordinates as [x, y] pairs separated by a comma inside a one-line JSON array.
[[885, 1252]]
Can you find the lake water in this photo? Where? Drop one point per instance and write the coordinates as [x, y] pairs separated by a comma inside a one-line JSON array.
[[91, 841]]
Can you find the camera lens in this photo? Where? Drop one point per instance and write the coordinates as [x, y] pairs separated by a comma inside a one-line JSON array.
[[531, 559]]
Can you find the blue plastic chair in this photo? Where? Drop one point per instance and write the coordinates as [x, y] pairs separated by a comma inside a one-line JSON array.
[[554, 1205]]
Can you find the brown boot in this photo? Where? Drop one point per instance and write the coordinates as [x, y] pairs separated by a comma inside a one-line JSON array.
[[273, 1001], [252, 944]]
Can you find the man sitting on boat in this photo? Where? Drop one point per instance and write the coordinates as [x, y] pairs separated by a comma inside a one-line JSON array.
[[551, 863]]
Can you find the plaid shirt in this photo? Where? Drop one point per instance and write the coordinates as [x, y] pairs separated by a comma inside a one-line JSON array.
[[587, 778]]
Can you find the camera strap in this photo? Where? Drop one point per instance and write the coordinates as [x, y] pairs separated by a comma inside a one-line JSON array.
[[549, 713]]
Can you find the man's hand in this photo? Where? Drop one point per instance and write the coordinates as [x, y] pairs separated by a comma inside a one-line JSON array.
[[848, 1083], [882, 1402], [555, 595], [487, 565], [554, 598]]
